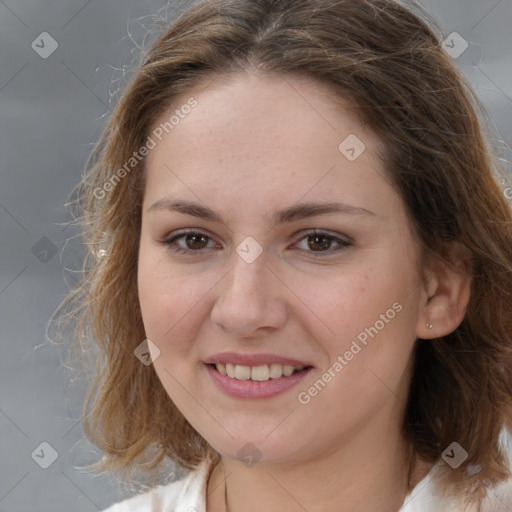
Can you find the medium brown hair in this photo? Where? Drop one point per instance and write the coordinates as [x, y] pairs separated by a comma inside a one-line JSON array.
[[390, 64]]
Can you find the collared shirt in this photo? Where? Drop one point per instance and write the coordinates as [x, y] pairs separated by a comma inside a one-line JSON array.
[[189, 494]]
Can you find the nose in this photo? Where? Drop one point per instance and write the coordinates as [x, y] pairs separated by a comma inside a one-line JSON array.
[[250, 301]]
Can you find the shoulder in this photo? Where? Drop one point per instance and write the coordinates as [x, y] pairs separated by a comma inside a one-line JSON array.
[[182, 495], [426, 497]]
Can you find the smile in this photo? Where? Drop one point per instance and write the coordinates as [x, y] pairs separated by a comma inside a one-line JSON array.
[[258, 373], [262, 381]]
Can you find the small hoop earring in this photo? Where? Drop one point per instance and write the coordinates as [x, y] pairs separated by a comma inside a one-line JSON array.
[[429, 326]]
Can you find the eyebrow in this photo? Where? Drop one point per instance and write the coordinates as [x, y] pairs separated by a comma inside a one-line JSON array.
[[288, 214]]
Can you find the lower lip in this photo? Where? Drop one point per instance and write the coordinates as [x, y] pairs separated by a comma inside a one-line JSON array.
[[252, 388]]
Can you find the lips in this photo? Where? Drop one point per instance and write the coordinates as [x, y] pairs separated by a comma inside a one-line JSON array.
[[260, 373], [252, 389], [255, 375], [254, 359]]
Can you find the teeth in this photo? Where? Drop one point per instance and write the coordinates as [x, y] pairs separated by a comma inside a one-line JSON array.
[[242, 372], [287, 370], [230, 370], [258, 373], [276, 371]]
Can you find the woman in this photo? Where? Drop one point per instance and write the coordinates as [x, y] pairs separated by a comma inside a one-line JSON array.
[[300, 267]]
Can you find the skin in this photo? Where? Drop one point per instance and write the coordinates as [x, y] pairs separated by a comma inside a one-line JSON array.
[[253, 144]]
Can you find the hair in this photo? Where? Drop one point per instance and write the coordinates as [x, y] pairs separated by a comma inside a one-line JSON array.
[[389, 63]]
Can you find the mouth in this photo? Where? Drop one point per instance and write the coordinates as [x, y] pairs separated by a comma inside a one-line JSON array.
[[255, 382], [260, 373]]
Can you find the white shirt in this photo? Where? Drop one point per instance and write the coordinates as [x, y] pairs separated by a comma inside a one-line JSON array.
[[189, 493]]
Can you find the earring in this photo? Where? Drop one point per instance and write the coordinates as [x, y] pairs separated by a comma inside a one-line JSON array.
[[429, 326]]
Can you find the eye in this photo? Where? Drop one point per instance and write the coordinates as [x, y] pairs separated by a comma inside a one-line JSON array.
[[191, 241], [320, 242]]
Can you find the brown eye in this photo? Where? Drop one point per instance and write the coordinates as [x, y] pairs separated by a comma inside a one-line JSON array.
[[319, 242], [196, 241], [188, 242]]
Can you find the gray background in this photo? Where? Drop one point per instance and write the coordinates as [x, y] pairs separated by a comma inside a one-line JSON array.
[[52, 110]]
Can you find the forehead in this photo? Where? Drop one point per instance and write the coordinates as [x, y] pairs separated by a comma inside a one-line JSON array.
[[275, 136], [293, 107]]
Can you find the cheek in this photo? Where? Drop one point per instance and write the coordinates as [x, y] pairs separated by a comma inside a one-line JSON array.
[[341, 303], [366, 315], [158, 293], [170, 298]]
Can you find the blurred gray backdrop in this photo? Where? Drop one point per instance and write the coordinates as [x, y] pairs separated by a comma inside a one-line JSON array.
[[62, 65]]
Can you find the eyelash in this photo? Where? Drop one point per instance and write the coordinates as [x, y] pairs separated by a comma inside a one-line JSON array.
[[169, 241]]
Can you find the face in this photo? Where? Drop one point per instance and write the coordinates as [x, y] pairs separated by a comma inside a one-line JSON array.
[[238, 267]]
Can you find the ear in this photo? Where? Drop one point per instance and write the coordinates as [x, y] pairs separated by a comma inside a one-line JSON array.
[[446, 295]]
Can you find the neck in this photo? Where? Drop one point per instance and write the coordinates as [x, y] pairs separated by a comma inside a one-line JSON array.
[[366, 474]]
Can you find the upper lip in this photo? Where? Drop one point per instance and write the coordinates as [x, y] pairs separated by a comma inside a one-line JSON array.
[[253, 359]]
